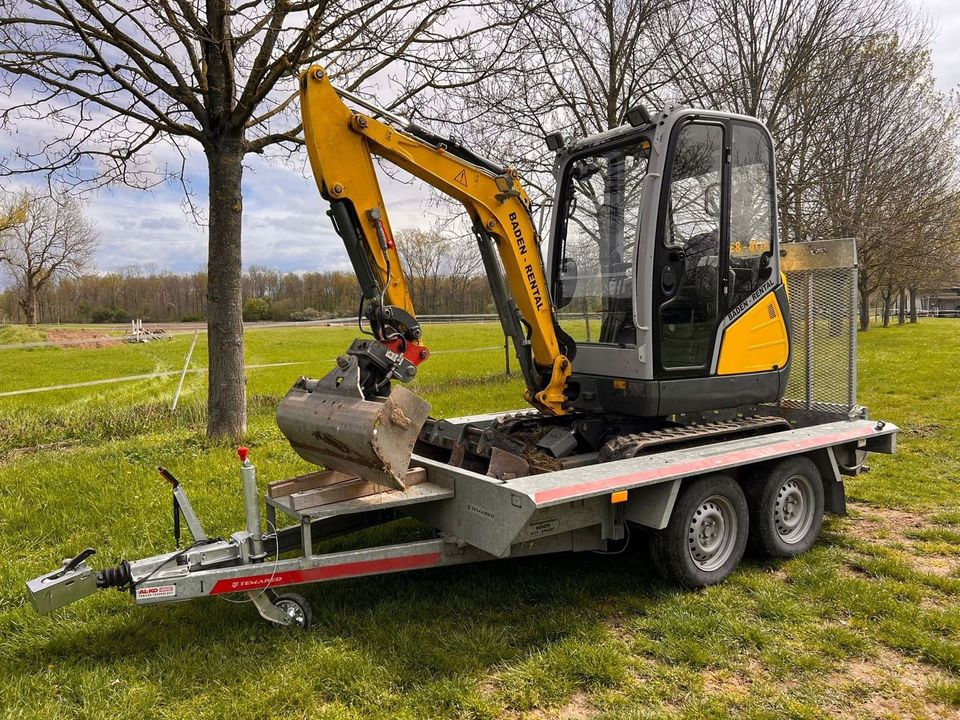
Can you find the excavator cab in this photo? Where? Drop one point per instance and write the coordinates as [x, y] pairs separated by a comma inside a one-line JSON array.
[[665, 267]]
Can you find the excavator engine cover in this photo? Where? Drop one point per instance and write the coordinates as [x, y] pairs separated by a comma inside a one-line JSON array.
[[328, 422]]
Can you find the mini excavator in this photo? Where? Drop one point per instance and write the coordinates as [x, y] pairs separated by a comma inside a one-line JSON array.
[[660, 294]]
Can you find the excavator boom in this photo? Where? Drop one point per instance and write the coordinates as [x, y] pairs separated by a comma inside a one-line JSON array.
[[341, 144]]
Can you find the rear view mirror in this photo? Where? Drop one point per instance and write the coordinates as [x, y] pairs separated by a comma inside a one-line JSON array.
[[567, 282]]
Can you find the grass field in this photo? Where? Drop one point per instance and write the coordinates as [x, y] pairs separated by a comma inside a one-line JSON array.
[[865, 625]]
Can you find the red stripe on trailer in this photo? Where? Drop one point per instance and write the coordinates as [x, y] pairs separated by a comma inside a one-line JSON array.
[[694, 466], [326, 572]]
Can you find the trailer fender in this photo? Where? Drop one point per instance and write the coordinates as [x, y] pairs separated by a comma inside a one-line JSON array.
[[652, 505], [834, 492]]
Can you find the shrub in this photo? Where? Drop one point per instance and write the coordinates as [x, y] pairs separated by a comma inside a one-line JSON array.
[[109, 315], [256, 309], [305, 315], [281, 309]]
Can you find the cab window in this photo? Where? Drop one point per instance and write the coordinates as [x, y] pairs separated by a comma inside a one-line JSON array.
[[601, 199], [691, 232], [751, 212]]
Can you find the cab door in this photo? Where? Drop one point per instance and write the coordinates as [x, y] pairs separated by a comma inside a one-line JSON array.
[[690, 260]]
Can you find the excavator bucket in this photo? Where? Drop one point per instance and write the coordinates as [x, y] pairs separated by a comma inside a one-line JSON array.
[[328, 422]]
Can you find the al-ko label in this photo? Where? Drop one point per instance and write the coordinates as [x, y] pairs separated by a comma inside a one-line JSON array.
[[156, 592]]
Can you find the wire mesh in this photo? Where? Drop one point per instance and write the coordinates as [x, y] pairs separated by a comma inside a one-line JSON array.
[[823, 310]]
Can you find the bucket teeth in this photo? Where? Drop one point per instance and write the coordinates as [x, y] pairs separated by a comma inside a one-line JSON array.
[[328, 422]]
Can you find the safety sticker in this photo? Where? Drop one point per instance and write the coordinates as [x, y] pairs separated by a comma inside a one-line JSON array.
[[156, 591]]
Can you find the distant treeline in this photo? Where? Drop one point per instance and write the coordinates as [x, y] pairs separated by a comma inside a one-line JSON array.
[[268, 295]]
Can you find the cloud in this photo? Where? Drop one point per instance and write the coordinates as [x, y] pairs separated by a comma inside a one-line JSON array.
[[159, 223], [285, 223]]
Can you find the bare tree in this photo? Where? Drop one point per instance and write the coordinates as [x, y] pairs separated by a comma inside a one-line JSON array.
[[782, 61], [54, 240], [574, 67], [462, 265], [422, 253], [115, 80], [890, 172]]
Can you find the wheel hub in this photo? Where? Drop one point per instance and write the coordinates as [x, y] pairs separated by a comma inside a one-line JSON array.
[[793, 509], [292, 611], [712, 533]]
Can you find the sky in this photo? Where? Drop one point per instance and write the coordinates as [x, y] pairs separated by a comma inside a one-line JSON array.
[[284, 221], [945, 17]]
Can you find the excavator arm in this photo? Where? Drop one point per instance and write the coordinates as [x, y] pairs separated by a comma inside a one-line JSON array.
[[341, 144], [352, 420]]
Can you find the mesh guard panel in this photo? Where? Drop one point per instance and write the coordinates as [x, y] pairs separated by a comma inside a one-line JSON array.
[[822, 283]]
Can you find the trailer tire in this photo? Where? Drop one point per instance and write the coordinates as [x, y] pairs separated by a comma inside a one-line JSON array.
[[297, 608], [786, 508], [707, 533]]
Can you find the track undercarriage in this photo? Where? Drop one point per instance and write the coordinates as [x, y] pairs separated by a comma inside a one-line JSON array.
[[529, 443]]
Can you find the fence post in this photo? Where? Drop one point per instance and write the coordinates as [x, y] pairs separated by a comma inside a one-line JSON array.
[[186, 364]]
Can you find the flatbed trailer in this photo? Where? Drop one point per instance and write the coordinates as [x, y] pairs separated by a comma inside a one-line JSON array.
[[702, 490]]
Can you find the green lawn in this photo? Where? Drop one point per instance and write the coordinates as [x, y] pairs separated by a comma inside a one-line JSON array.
[[865, 625]]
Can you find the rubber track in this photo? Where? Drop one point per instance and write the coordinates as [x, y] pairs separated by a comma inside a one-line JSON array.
[[629, 446]]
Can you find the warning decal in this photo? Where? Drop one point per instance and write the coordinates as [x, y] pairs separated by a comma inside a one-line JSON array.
[[461, 177], [156, 592]]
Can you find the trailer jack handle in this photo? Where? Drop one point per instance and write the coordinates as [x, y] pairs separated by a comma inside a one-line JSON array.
[[182, 507]]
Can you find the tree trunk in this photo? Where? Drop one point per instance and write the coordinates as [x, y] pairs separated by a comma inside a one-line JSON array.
[[902, 307], [913, 304], [864, 310], [887, 306], [28, 302], [227, 395]]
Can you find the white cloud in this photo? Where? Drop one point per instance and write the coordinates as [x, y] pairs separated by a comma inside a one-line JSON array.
[[285, 223]]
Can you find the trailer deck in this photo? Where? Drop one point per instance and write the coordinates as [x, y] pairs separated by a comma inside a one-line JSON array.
[[476, 518]]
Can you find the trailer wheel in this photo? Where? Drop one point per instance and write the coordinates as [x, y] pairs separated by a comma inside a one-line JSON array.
[[297, 608], [786, 508], [707, 533]]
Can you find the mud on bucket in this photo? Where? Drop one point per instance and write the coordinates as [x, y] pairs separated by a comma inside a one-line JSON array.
[[329, 423]]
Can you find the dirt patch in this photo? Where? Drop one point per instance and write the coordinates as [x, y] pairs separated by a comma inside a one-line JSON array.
[[934, 564], [873, 523], [924, 431], [83, 339], [889, 685], [577, 708], [738, 682], [890, 528], [8, 455]]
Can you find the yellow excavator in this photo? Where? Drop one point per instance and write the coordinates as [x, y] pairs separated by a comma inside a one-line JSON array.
[[661, 294]]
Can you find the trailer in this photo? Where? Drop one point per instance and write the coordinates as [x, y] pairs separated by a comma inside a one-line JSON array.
[[700, 486]]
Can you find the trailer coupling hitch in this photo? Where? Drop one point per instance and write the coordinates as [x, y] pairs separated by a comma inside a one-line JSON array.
[[75, 580], [72, 581]]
